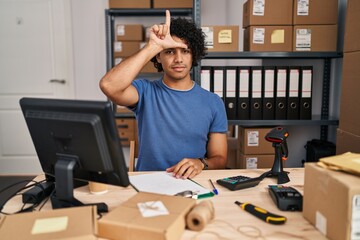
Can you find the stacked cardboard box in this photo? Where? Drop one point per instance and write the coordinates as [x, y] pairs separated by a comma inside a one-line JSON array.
[[268, 25], [348, 134], [315, 25], [290, 25], [254, 151], [221, 38]]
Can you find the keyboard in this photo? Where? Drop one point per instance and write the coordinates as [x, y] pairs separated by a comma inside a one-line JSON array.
[[239, 182]]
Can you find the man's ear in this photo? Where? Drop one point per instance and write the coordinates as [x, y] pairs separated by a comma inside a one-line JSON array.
[[158, 58]]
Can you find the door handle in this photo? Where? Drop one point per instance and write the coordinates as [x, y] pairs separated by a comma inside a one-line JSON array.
[[61, 81]]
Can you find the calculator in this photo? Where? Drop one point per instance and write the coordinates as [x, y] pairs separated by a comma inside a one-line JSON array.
[[239, 182]]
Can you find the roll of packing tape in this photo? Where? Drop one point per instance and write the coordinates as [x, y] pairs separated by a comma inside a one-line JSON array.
[[200, 216]]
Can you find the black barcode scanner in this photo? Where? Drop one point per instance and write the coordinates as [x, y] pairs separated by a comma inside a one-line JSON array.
[[278, 136]]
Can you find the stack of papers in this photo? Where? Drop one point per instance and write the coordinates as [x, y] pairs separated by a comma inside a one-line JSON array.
[[166, 183]]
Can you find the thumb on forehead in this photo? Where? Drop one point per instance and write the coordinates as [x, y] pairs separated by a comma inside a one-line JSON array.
[[168, 17]]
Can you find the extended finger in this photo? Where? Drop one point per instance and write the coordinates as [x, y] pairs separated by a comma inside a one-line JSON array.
[[167, 18]]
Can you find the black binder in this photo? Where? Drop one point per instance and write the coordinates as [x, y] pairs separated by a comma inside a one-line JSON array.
[[280, 92], [230, 92], [205, 74], [306, 75], [243, 88], [292, 93], [218, 75], [256, 93], [269, 93]]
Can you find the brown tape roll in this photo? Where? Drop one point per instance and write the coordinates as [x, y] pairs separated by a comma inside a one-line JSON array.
[[200, 215]]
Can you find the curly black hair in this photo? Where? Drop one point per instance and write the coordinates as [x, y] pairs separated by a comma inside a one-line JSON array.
[[193, 36]]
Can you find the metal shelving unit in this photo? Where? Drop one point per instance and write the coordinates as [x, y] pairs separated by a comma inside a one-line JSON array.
[[323, 120]]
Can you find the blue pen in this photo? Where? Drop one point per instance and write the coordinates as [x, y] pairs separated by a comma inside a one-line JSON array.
[[214, 189]]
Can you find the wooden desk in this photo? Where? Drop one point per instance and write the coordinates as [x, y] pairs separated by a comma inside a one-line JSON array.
[[226, 212]]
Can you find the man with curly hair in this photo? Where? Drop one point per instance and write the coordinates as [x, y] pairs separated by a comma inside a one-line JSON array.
[[182, 127]]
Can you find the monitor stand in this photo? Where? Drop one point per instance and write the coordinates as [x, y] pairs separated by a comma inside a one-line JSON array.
[[64, 185]]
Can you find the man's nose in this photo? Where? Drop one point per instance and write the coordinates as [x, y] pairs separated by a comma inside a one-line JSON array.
[[178, 56]]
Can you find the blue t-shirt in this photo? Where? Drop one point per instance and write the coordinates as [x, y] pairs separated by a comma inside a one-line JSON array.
[[174, 124]]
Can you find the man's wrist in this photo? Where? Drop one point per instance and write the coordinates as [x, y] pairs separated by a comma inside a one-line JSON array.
[[204, 162]]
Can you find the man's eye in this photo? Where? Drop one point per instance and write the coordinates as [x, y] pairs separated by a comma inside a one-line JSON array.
[[186, 51], [169, 52]]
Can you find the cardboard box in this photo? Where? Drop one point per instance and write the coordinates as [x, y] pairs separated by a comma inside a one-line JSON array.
[[315, 38], [221, 38], [68, 223], [350, 86], [252, 141], [332, 202], [268, 38], [352, 26], [273, 12], [127, 221], [315, 12], [251, 161], [129, 32], [129, 3], [172, 3], [127, 48], [347, 142]]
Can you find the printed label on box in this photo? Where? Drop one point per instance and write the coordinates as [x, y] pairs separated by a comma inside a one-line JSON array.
[[50, 225], [118, 46], [355, 218], [320, 222], [258, 7], [251, 163], [209, 36], [152, 209], [120, 31], [118, 60], [303, 39], [303, 7], [253, 138], [259, 36]]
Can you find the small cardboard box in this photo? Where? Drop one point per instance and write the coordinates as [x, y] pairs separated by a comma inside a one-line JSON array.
[[129, 3], [173, 3], [68, 223], [272, 12], [252, 141], [315, 38], [127, 221], [221, 38], [347, 142], [268, 38], [125, 49], [350, 86], [315, 12], [129, 32], [352, 26], [332, 202], [253, 161]]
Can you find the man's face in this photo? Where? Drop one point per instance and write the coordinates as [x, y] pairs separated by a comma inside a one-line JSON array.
[[176, 62]]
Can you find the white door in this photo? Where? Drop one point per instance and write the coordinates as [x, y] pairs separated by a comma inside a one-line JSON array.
[[35, 61]]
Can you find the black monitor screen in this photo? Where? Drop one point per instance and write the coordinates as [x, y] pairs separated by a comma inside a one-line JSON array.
[[77, 135]]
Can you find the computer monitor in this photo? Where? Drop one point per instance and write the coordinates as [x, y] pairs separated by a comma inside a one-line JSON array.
[[75, 139]]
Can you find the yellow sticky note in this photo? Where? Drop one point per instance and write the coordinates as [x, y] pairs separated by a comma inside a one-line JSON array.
[[278, 36], [225, 36], [49, 225]]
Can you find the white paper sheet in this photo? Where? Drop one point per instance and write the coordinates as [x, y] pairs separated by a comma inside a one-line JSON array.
[[165, 183]]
